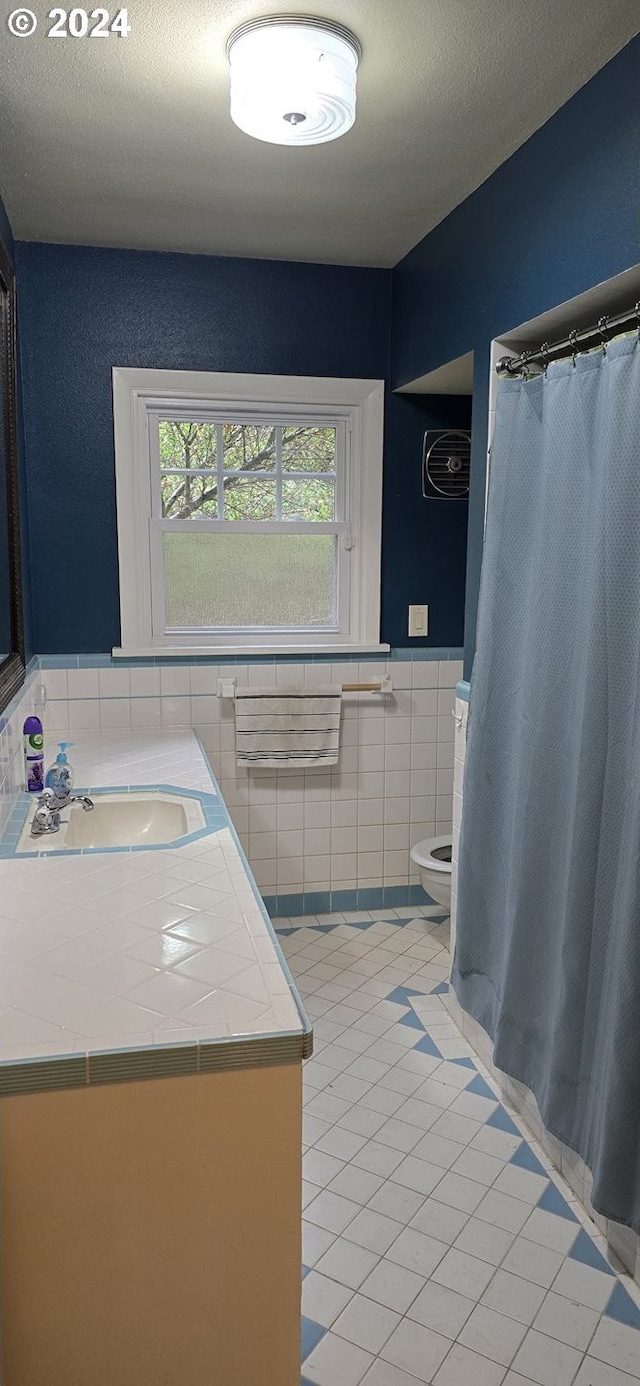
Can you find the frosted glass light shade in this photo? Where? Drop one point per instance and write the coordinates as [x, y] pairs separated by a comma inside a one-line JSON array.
[[293, 80]]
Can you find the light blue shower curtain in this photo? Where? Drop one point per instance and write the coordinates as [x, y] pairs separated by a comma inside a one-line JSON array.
[[548, 936]]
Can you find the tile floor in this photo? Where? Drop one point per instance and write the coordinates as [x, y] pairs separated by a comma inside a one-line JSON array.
[[438, 1246]]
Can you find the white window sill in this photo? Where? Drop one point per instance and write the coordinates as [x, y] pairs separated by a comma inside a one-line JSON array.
[[222, 652]]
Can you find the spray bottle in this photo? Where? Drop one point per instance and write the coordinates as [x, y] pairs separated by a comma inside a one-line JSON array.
[[34, 755]]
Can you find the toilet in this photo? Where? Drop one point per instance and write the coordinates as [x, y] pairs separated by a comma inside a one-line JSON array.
[[433, 860]]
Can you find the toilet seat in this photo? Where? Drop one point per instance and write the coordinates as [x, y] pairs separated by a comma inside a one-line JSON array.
[[423, 851]]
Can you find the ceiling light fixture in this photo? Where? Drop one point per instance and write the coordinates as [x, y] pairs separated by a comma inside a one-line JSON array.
[[293, 79]]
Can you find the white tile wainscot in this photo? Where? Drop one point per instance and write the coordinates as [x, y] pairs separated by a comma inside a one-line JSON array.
[[347, 829], [622, 1241], [151, 1045], [12, 720]]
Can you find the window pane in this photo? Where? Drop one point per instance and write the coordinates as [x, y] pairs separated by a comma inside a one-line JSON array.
[[187, 444], [247, 498], [249, 447], [292, 580], [308, 500], [308, 448], [189, 496]]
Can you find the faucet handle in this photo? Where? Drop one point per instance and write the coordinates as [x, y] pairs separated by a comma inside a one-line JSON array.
[[54, 799], [43, 821]]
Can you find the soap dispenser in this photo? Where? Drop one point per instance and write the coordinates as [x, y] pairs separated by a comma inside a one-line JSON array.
[[59, 776]]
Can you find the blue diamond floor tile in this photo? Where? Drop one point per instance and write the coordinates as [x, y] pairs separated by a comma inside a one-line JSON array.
[[412, 1020], [502, 1121], [622, 1308], [586, 1251], [551, 1201], [310, 1335], [467, 1063], [400, 995], [441, 989], [524, 1158], [426, 1046], [481, 1089]]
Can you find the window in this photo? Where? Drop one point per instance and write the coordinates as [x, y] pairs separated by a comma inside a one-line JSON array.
[[247, 528], [248, 511]]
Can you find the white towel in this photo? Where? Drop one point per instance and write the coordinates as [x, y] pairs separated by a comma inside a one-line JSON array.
[[288, 728]]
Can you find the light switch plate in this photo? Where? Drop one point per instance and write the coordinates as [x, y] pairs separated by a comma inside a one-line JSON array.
[[418, 620]]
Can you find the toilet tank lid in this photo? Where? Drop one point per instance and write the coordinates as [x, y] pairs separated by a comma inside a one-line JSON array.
[[423, 851]]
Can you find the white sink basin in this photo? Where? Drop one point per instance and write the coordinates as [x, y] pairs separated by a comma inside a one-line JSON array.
[[130, 822], [141, 819]]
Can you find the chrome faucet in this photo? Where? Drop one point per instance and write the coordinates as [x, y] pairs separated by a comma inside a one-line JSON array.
[[54, 800], [46, 818]]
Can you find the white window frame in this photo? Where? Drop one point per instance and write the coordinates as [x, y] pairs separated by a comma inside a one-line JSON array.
[[139, 396]]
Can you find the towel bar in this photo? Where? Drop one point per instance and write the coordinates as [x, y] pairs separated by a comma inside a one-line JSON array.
[[382, 685], [227, 687]]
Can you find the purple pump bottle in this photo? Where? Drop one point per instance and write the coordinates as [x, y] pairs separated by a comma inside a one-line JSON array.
[[34, 755]]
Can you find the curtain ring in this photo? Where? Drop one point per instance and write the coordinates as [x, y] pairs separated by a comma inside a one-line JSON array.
[[522, 365], [603, 324], [637, 312], [573, 342], [545, 351]]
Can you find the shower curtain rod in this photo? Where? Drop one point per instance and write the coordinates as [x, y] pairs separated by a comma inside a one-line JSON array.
[[599, 334]]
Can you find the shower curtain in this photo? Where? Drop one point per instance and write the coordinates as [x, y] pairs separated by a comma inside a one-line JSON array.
[[547, 953]]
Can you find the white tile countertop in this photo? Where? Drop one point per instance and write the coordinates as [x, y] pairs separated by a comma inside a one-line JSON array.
[[140, 962]]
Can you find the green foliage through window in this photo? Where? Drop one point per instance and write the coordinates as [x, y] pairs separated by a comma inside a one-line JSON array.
[[240, 471]]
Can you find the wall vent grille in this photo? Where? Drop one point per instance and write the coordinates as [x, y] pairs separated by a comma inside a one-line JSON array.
[[446, 460]]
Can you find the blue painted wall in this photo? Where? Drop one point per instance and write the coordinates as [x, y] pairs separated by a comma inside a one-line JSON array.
[[561, 215], [6, 237], [84, 310], [424, 542]]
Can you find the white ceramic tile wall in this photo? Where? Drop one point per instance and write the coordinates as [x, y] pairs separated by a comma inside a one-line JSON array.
[[11, 744], [622, 1241], [350, 827]]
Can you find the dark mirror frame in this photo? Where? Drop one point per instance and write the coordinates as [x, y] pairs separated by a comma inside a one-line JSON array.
[[12, 669]]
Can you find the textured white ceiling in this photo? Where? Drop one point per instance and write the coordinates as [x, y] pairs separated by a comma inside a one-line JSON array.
[[129, 142]]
